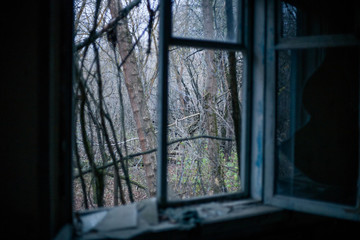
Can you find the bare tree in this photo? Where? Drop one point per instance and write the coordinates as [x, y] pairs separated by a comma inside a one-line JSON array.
[[210, 99], [134, 86]]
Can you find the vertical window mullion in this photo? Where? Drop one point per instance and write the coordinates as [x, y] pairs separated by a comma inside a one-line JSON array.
[[165, 34]]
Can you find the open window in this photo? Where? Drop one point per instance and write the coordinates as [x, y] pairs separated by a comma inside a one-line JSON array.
[[281, 78], [171, 103], [312, 121]]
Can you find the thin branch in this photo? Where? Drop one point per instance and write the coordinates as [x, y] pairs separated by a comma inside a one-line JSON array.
[[113, 22], [184, 118], [82, 180], [155, 149], [218, 114], [77, 20], [99, 80], [152, 13], [87, 147], [131, 181]]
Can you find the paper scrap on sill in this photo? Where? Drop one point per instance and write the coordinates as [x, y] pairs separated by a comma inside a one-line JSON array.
[[122, 217]]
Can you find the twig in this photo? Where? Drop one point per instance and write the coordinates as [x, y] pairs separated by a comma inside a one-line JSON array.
[[155, 149], [113, 22], [102, 117], [82, 180], [181, 119], [131, 181], [226, 123]]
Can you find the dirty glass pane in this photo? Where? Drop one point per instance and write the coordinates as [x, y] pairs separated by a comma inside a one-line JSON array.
[[202, 152], [205, 19], [317, 124], [305, 18]]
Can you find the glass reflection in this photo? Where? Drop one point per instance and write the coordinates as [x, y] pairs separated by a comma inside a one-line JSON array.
[[318, 17], [317, 124]]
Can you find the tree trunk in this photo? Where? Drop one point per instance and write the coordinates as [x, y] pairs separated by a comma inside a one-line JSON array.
[[136, 93], [210, 100]]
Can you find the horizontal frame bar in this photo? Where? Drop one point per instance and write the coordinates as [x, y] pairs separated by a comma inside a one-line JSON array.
[[206, 44], [320, 41], [206, 199], [316, 207]]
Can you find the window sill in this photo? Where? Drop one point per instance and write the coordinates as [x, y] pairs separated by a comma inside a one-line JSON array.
[[212, 220]]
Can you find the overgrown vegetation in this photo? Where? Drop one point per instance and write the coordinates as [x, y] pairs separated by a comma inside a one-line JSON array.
[[116, 53]]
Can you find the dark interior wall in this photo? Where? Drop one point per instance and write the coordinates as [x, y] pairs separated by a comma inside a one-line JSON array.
[[20, 115], [33, 49], [36, 85]]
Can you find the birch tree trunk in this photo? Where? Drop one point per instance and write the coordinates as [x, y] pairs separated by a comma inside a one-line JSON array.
[[136, 93]]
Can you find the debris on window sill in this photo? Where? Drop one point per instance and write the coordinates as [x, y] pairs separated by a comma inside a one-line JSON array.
[[122, 222], [141, 218]]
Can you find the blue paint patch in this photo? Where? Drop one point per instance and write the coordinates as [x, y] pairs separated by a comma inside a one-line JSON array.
[[259, 137], [259, 147], [259, 109]]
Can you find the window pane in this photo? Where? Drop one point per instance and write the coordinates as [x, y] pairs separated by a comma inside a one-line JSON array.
[[304, 18], [202, 156], [317, 124], [205, 19], [115, 106]]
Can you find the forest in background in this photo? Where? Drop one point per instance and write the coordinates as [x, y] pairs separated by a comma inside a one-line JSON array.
[[116, 52]]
